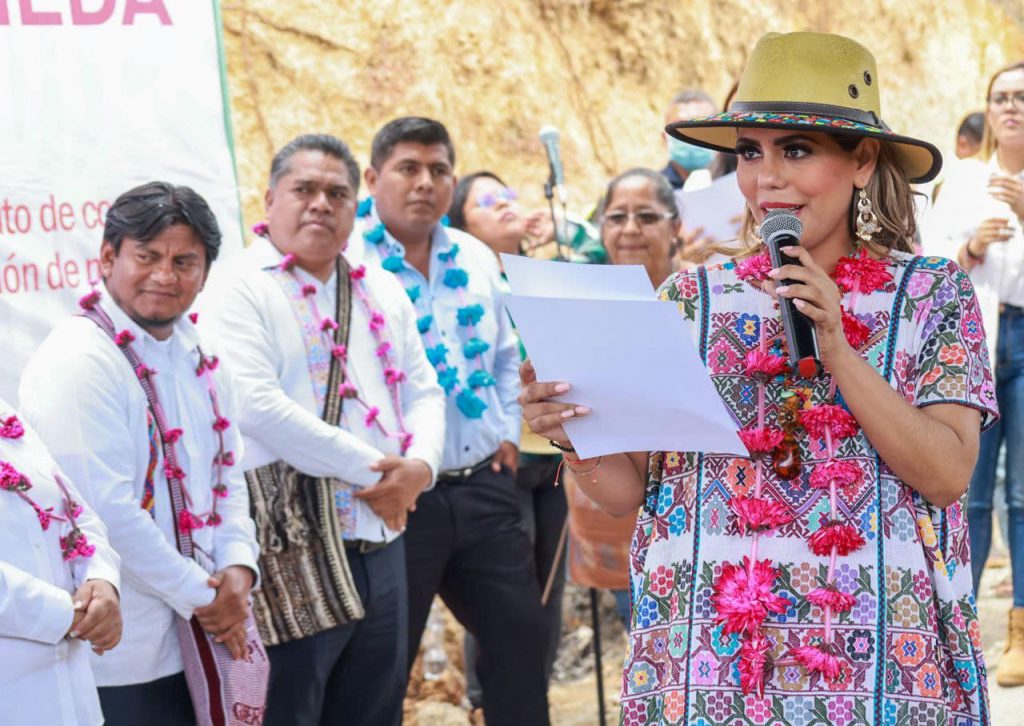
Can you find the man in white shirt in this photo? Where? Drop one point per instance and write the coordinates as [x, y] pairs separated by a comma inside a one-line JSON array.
[[467, 539], [299, 323], [57, 589], [87, 402]]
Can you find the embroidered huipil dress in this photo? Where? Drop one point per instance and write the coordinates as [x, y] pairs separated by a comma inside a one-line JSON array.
[[900, 641]]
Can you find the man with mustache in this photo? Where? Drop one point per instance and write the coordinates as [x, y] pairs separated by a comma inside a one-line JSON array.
[[343, 426], [466, 540]]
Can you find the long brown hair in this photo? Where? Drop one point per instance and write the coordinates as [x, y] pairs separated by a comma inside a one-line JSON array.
[[988, 138]]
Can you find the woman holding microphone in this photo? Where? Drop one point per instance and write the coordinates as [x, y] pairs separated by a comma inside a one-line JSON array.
[[824, 577]]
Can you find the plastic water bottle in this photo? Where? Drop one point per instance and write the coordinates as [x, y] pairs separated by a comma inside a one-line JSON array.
[[435, 660]]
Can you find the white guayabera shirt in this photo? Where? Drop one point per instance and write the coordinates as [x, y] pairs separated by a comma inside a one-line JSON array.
[[278, 414], [44, 677], [83, 397]]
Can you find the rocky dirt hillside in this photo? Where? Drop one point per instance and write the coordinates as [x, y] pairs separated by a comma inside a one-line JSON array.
[[600, 70]]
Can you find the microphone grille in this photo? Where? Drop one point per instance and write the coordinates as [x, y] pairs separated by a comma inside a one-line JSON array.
[[780, 220]]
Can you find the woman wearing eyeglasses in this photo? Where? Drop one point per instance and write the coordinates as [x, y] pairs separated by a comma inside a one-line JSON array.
[[490, 211], [977, 221], [639, 225], [640, 222]]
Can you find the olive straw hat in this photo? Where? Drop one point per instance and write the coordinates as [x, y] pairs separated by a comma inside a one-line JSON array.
[[811, 82]]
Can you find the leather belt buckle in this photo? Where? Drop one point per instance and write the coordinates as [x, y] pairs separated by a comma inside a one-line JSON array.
[[364, 547]]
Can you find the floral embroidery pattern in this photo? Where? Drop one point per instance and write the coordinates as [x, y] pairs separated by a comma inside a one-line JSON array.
[[850, 563]]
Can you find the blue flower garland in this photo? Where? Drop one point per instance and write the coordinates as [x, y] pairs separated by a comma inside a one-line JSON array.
[[468, 316]]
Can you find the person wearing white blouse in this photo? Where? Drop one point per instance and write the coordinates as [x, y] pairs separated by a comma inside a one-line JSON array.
[[977, 221], [89, 405], [58, 587]]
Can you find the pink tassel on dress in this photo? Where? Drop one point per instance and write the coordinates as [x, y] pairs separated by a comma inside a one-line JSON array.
[[754, 664], [754, 268], [764, 366], [856, 332], [820, 417], [830, 597], [861, 273], [819, 659], [743, 600], [844, 537], [842, 473], [757, 514], [761, 441]]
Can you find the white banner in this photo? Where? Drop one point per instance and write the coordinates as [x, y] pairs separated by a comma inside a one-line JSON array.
[[98, 96]]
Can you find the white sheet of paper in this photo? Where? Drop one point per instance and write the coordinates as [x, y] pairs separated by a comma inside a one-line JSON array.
[[714, 208], [633, 363], [547, 278]]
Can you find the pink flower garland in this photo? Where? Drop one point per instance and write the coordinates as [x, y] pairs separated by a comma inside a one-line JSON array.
[[755, 267], [743, 595], [11, 428], [393, 376], [187, 520], [74, 543], [761, 441]]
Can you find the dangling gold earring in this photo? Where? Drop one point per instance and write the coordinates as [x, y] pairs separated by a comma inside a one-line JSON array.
[[867, 220]]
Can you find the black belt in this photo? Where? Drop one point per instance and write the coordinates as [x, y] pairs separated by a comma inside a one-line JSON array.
[[460, 476], [364, 547]]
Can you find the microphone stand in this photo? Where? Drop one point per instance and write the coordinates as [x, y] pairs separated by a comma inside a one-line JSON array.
[[560, 230]]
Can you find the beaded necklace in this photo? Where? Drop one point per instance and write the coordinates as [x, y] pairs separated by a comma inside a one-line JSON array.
[[393, 376], [468, 316], [188, 521], [74, 543], [744, 593]]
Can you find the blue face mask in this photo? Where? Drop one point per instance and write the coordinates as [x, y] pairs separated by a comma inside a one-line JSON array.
[[688, 156]]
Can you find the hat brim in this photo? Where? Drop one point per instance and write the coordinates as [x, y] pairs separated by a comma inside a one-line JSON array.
[[919, 160]]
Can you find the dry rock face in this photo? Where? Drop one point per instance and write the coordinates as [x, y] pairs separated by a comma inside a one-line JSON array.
[[600, 70]]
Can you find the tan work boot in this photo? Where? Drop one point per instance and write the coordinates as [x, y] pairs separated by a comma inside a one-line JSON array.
[[1010, 671]]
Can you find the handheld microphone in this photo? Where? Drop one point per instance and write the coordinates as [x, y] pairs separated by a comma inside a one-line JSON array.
[[549, 137], [781, 228]]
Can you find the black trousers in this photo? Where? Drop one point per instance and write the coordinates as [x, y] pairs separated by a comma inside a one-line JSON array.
[[542, 501], [355, 674], [163, 702], [467, 542]]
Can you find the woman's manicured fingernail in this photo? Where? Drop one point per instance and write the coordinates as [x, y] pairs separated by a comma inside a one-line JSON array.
[[568, 414], [581, 410], [773, 273], [561, 387], [782, 289]]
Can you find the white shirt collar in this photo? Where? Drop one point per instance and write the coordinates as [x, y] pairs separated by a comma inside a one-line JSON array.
[[184, 339]]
